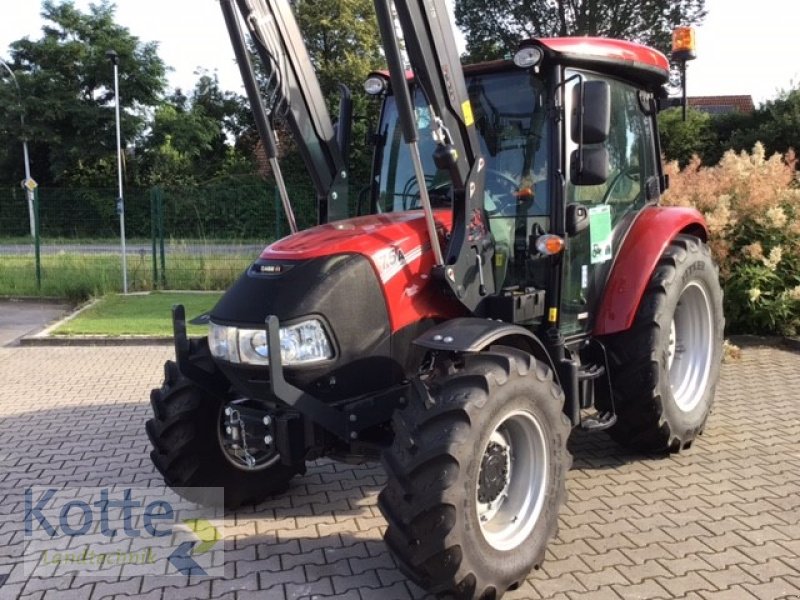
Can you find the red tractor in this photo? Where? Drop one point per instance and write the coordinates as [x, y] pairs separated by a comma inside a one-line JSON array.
[[511, 276]]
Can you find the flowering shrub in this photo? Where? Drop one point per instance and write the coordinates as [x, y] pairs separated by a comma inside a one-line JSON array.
[[752, 207]]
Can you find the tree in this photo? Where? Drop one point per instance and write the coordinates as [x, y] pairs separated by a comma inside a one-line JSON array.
[[680, 140], [343, 40], [344, 44], [776, 124], [190, 137], [494, 29], [67, 93]]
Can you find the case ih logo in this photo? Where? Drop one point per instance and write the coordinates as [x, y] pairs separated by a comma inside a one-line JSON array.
[[96, 531], [271, 269]]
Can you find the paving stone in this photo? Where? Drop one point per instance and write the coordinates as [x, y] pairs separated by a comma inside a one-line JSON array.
[[647, 590]]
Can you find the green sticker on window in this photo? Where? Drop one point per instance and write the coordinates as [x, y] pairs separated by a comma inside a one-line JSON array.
[[600, 233]]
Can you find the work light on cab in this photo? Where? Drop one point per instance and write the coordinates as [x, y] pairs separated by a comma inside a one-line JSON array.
[[376, 85], [528, 56]]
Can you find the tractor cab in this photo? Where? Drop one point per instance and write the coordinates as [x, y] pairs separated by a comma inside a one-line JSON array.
[[568, 134]]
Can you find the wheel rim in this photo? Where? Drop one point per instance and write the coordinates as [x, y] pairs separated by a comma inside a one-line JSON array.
[[252, 455], [690, 347], [512, 481]]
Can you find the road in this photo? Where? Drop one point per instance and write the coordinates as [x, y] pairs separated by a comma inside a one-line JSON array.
[[134, 249], [21, 318]]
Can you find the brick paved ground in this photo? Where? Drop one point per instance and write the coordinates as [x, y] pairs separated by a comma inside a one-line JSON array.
[[721, 521]]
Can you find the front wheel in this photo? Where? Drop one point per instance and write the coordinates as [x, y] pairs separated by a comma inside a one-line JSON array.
[[476, 476], [192, 447], [666, 366]]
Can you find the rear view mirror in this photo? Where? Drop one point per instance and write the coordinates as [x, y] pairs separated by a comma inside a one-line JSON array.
[[589, 166], [591, 112]]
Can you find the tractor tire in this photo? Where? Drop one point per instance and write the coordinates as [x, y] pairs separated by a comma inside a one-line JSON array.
[[664, 369], [476, 476], [184, 432]]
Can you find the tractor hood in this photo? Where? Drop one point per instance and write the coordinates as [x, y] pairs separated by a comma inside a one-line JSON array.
[[366, 279], [298, 274], [374, 236]]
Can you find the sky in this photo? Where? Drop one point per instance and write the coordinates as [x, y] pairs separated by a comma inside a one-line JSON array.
[[741, 50]]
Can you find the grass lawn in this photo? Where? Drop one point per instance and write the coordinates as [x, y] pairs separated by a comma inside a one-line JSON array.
[[76, 277], [139, 314]]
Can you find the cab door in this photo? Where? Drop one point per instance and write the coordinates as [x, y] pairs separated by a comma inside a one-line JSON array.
[[611, 205]]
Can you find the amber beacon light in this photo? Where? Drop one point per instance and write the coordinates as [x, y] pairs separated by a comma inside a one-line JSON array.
[[684, 46]]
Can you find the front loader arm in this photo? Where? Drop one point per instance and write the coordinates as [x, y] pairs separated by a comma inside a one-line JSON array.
[[430, 44], [292, 93]]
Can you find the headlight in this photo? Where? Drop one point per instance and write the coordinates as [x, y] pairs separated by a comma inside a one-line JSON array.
[[253, 347], [222, 342], [301, 344]]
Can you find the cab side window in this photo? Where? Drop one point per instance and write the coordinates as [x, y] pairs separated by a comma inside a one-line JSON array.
[[631, 153]]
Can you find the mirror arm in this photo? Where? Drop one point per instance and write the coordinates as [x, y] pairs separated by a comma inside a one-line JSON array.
[[344, 126], [581, 79], [581, 116]]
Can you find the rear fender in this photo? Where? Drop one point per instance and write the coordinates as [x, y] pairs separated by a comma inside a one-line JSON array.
[[472, 334], [650, 234]]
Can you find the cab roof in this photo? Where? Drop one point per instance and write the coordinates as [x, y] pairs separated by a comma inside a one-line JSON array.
[[626, 60]]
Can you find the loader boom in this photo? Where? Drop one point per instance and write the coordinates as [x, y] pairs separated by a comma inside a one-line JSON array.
[[291, 93], [431, 48]]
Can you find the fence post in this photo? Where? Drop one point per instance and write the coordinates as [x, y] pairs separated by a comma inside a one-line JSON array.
[[160, 204], [153, 229], [37, 240]]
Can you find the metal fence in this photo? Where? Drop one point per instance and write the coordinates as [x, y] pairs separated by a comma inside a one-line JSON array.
[[177, 238]]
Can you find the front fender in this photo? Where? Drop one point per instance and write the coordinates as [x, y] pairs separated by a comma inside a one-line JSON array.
[[650, 234], [472, 334]]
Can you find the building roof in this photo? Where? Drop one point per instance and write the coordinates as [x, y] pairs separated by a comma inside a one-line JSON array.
[[720, 105]]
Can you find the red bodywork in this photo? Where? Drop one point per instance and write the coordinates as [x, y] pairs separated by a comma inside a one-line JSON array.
[[398, 247], [653, 230]]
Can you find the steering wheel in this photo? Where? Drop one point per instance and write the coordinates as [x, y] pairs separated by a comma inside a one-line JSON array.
[[632, 172], [506, 192], [438, 193]]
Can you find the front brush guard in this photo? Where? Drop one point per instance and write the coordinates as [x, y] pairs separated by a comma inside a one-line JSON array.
[[345, 419]]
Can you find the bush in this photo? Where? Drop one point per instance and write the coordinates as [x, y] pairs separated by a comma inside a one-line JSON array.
[[681, 140], [752, 207]]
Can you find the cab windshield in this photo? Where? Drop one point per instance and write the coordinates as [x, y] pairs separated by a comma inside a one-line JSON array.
[[509, 112]]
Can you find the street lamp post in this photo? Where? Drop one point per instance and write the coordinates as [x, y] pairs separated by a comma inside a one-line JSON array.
[[28, 184], [114, 58]]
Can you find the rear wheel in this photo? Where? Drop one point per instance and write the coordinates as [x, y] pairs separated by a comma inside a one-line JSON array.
[[665, 368], [193, 449], [476, 476]]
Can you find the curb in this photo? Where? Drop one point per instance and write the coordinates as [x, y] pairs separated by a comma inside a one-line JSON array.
[[45, 337], [792, 343], [45, 333], [746, 340], [38, 340], [36, 299]]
